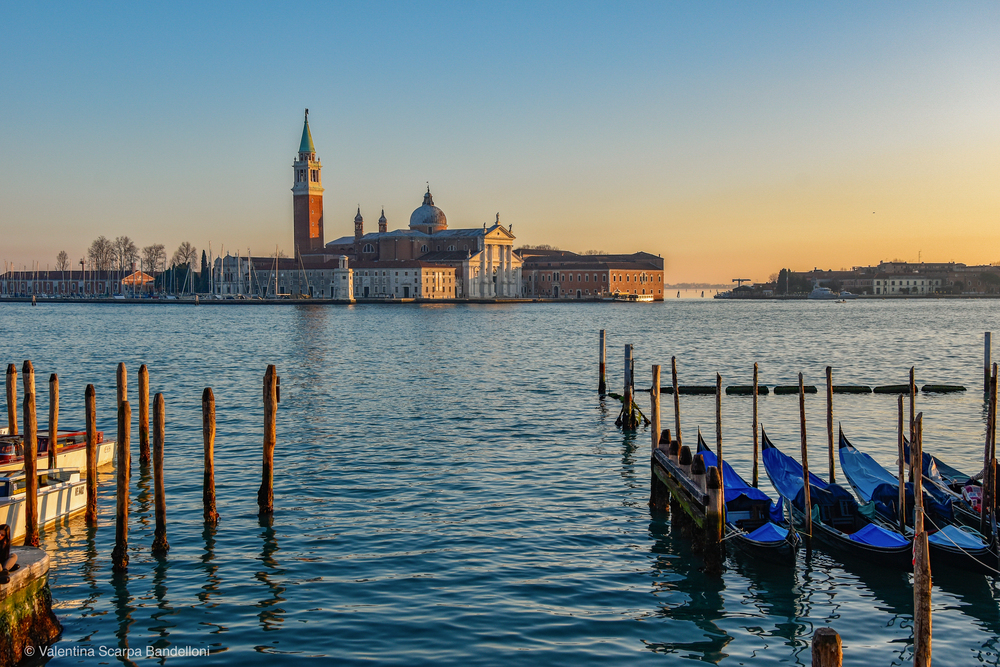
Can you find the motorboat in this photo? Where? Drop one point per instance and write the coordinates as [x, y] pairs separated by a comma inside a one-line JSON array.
[[61, 493], [72, 451]]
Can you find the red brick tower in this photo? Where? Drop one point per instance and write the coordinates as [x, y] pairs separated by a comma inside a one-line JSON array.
[[307, 196]]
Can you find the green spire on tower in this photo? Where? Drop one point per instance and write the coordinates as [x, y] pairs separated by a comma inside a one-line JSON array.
[[306, 145]]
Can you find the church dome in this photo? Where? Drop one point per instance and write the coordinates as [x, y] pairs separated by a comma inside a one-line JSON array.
[[428, 218]]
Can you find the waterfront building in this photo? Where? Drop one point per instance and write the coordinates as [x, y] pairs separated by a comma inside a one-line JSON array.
[[484, 260], [405, 279], [559, 274], [899, 284], [320, 277], [74, 284]]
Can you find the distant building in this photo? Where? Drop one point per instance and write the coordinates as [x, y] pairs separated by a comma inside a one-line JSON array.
[[559, 274], [78, 284]]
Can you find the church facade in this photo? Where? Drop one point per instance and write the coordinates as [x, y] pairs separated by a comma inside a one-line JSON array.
[[482, 259]]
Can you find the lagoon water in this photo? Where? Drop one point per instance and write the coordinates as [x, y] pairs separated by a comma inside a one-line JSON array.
[[449, 489]]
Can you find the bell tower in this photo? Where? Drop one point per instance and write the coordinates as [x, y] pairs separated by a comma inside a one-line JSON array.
[[307, 196]]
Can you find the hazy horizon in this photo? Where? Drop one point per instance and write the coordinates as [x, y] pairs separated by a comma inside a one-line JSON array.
[[732, 139]]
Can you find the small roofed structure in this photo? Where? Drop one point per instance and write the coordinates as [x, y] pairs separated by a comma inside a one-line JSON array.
[[137, 279]]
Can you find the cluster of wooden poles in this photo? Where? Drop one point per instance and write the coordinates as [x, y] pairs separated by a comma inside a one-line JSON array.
[[119, 556], [921, 563]]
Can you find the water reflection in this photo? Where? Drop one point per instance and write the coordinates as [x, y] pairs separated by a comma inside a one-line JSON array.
[[161, 617], [676, 571], [270, 614], [123, 612], [144, 498], [773, 590]]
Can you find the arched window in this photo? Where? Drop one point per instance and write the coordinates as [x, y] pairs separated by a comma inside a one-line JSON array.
[[423, 248], [368, 248]]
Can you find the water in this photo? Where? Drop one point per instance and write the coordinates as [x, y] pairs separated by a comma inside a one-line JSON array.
[[450, 490]]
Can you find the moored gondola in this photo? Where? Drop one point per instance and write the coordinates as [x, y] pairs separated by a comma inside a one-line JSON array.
[[836, 519], [753, 523], [962, 548]]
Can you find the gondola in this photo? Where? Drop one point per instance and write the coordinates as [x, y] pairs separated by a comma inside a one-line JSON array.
[[965, 490], [962, 548], [753, 523], [836, 519]]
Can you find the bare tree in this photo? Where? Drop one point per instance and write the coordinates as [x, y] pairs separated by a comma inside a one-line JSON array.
[[184, 254], [62, 261], [102, 254], [153, 257], [594, 252], [126, 253]]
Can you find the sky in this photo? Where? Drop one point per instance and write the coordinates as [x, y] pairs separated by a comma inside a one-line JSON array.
[[732, 138]]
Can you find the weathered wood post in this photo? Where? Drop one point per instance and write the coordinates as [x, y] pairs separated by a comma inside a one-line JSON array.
[[11, 399], [122, 383], [90, 400], [677, 400], [684, 460], [756, 446], [699, 472], [989, 452], [826, 648], [160, 544], [902, 470], [913, 419], [718, 421], [628, 413], [987, 346], [53, 420], [654, 399], [805, 460], [713, 521], [829, 421], [30, 457], [921, 558], [265, 495], [208, 433], [143, 415], [659, 494], [119, 555], [602, 385], [993, 448]]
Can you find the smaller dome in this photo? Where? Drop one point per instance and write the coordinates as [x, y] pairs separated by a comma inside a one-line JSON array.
[[382, 217], [358, 217]]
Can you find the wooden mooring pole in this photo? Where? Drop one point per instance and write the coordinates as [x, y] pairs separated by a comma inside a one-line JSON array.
[[987, 347], [265, 495], [602, 385], [654, 399], [826, 648], [160, 544], [53, 420], [677, 401], [90, 400], [989, 453], [714, 554], [756, 445], [829, 420], [11, 399], [121, 380], [805, 461], [913, 418], [30, 457], [143, 415], [718, 421], [902, 470], [921, 558], [119, 555], [208, 433]]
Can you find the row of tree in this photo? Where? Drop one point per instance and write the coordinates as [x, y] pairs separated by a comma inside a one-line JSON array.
[[122, 254]]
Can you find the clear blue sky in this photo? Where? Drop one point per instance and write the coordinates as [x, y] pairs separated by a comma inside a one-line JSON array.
[[733, 138]]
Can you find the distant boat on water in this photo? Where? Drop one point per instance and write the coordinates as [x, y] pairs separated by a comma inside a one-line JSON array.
[[822, 294]]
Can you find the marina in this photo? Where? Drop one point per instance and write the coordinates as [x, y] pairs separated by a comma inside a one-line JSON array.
[[488, 551]]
